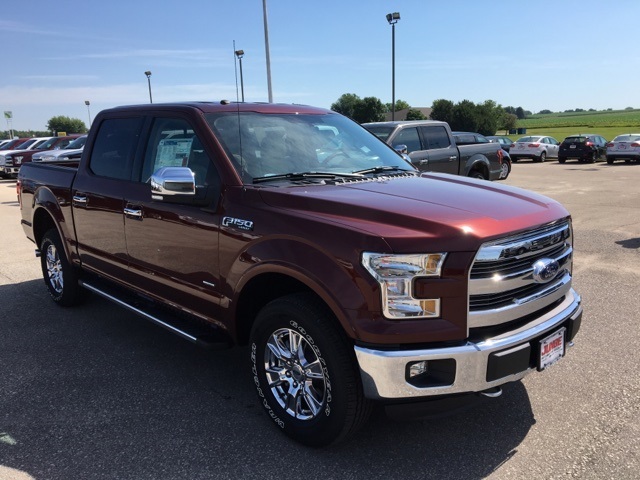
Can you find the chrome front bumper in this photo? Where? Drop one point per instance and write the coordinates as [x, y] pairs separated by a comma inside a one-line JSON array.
[[384, 373]]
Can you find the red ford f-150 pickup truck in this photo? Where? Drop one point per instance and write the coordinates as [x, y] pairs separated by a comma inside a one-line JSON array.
[[353, 277]]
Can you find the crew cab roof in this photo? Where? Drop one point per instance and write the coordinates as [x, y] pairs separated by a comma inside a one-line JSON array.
[[226, 106]]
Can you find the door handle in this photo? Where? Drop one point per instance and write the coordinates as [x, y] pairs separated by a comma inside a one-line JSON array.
[[79, 198], [452, 158], [423, 162]]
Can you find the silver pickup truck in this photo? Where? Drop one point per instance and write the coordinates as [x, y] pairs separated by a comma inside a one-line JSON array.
[[431, 147]]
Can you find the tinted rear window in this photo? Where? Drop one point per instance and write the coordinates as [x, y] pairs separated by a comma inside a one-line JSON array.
[[575, 139]]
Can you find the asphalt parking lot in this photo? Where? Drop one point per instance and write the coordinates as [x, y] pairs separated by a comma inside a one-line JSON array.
[[96, 393]]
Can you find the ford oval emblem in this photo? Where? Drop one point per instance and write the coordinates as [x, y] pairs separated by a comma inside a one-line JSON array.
[[545, 270]]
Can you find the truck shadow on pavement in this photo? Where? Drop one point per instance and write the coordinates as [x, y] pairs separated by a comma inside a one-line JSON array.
[[96, 392], [630, 243]]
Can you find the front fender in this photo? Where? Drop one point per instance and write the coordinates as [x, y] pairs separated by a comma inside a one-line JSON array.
[[340, 281]]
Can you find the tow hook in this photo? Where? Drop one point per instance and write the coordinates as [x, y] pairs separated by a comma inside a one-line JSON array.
[[494, 392], [38, 253]]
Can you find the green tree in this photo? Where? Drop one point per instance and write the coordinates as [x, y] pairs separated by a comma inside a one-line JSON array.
[[464, 116], [520, 113], [544, 112], [66, 124], [400, 105], [488, 115], [415, 114], [369, 109], [347, 104], [442, 110], [508, 122]]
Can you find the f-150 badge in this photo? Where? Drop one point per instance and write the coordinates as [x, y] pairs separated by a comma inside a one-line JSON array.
[[237, 223]]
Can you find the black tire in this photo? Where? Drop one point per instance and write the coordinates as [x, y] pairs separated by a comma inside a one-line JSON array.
[[312, 392], [561, 159], [505, 169], [59, 275], [542, 157], [592, 158], [477, 174], [610, 160]]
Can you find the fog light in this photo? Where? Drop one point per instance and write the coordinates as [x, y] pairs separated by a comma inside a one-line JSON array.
[[417, 368]]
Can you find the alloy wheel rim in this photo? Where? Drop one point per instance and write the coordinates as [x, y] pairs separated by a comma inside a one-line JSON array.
[[295, 374], [54, 269]]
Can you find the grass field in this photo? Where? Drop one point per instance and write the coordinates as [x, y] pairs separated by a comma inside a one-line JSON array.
[[560, 125]]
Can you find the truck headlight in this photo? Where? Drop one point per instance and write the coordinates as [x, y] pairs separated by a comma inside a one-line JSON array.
[[395, 274]]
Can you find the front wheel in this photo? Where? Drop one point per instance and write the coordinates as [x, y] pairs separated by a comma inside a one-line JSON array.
[[305, 372], [59, 275]]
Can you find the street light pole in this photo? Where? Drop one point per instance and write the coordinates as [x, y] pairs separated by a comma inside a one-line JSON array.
[[393, 18], [148, 74], [87, 103], [266, 47], [240, 54]]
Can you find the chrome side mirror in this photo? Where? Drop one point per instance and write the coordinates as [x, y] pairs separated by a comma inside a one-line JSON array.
[[400, 148], [170, 181]]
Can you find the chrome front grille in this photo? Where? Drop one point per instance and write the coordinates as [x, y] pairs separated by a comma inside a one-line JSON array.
[[503, 285]]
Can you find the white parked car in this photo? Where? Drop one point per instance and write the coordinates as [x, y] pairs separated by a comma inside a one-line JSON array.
[[624, 147], [536, 147]]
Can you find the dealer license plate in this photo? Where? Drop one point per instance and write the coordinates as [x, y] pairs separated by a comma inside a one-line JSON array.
[[552, 349]]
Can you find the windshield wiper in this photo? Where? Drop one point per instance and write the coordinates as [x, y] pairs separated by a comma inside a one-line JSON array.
[[382, 169], [305, 175]]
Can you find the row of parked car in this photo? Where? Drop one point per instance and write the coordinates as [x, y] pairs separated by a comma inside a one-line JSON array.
[[582, 147], [17, 151]]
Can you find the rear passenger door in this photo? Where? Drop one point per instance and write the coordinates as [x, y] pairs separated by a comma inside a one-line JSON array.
[[98, 195], [442, 154]]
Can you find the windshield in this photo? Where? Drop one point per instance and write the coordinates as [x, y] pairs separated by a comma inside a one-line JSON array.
[[270, 145], [25, 145], [380, 131], [77, 143], [47, 144], [9, 145]]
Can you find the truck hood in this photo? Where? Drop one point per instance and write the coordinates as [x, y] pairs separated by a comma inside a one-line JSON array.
[[450, 210]]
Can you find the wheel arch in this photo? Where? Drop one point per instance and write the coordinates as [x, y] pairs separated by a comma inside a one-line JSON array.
[[48, 214], [270, 284]]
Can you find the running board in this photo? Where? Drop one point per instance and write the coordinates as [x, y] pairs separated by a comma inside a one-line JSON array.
[[193, 331]]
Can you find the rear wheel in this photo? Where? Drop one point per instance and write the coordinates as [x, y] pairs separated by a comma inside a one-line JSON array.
[[306, 372], [542, 157], [59, 275], [505, 169], [609, 160], [592, 158], [562, 159], [477, 174]]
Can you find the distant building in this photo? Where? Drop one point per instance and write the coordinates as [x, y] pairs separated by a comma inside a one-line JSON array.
[[402, 114]]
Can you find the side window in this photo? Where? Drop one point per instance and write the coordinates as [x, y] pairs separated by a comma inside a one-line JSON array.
[[173, 143], [436, 137], [114, 148], [410, 138]]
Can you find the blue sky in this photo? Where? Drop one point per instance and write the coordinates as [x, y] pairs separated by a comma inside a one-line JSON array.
[[555, 55]]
